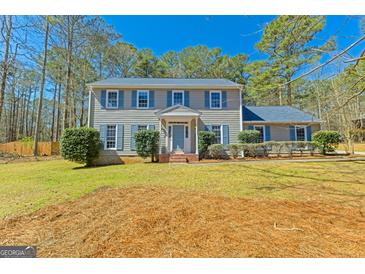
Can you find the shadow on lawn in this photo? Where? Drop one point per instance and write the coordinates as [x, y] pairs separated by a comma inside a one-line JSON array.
[[353, 196]]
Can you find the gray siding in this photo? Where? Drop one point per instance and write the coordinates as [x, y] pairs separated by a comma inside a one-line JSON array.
[[129, 116], [280, 132]]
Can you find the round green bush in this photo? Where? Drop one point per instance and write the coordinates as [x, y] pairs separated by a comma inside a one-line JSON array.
[[206, 138], [147, 143], [234, 150], [249, 136], [327, 140], [216, 151], [80, 145]]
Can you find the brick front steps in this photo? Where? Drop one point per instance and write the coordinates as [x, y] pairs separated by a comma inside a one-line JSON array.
[[178, 158]]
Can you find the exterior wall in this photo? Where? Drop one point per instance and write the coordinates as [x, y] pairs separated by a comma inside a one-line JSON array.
[[129, 116], [280, 132]]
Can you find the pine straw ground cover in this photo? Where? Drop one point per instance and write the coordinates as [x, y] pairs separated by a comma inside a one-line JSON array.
[[161, 210], [163, 222]]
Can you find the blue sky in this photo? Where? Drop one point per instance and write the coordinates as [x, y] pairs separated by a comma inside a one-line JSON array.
[[234, 34]]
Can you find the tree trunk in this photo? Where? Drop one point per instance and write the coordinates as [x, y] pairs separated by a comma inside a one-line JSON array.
[[53, 111], [70, 31], [289, 93], [26, 130], [38, 122], [33, 112], [5, 64], [58, 111]]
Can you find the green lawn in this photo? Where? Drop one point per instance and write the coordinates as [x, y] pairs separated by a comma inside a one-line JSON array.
[[25, 187]]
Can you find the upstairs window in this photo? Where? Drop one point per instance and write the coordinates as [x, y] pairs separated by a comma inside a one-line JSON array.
[[300, 133], [216, 129], [177, 97], [112, 99], [142, 99], [215, 99]]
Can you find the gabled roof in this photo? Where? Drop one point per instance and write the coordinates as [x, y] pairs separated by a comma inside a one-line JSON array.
[[276, 114], [178, 110], [164, 83]]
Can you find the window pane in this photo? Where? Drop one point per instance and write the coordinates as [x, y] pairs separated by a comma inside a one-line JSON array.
[[261, 130], [178, 98], [215, 99], [112, 99], [142, 127], [217, 131], [300, 134], [143, 99], [111, 133]]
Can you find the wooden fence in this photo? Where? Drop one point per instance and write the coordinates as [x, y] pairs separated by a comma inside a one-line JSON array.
[[26, 148]]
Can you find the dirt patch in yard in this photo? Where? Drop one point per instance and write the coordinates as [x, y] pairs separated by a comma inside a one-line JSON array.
[[165, 222]]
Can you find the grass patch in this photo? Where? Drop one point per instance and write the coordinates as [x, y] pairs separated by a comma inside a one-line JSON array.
[[357, 147], [26, 187]]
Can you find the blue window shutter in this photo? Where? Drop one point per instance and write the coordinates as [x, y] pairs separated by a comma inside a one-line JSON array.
[[224, 99], [151, 127], [102, 132], [169, 98], [292, 133], [134, 98], [134, 129], [309, 133], [152, 99], [225, 134], [250, 127], [208, 128], [186, 98], [121, 99], [267, 134], [103, 99], [120, 133], [206, 99]]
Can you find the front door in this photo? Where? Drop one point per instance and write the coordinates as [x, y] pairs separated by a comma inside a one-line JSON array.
[[178, 137]]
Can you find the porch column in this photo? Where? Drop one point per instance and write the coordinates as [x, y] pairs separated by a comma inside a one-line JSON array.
[[196, 136], [160, 130]]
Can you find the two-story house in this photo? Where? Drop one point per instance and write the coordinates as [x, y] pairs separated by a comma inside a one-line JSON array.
[[177, 108]]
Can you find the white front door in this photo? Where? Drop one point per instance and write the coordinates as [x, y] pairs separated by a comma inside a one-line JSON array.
[[179, 137]]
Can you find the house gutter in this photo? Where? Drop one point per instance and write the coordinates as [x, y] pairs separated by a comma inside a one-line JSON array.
[[164, 87]]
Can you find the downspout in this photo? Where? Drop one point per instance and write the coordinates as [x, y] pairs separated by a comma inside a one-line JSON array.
[[89, 109], [241, 117]]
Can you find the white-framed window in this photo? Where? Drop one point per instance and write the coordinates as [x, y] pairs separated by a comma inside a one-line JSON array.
[[143, 98], [217, 130], [112, 98], [300, 133], [142, 127], [178, 97], [215, 99], [261, 129], [111, 137]]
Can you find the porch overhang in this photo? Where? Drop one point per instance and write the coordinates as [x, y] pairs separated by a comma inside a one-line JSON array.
[[178, 111]]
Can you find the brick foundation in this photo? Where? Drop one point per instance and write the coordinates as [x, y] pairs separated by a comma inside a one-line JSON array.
[[178, 158]]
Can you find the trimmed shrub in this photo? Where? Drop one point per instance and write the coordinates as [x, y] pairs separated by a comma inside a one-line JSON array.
[[234, 150], [327, 140], [216, 151], [248, 136], [147, 143], [205, 138], [80, 145]]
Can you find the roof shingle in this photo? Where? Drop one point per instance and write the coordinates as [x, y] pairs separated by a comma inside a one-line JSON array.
[[276, 114], [165, 82]]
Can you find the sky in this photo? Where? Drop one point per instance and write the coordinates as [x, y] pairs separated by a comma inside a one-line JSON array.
[[233, 34]]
